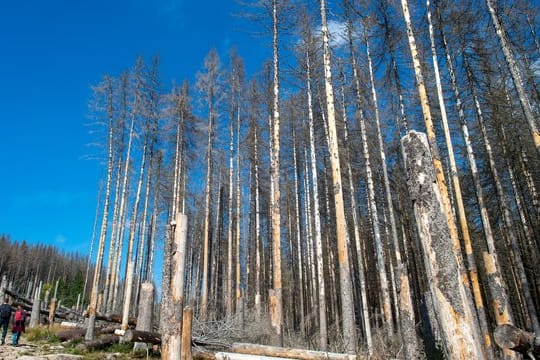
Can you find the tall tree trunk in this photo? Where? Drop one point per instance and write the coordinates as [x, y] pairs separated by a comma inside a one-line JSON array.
[[498, 289], [515, 72], [471, 262], [374, 212], [347, 303], [467, 316], [445, 285], [359, 248], [323, 329], [276, 299], [130, 262], [104, 223], [530, 314]]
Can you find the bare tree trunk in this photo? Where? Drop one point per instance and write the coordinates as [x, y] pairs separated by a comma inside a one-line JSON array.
[[212, 67], [130, 266], [498, 289], [172, 323], [91, 251], [323, 329], [468, 318], [471, 262], [379, 250], [515, 72], [229, 283], [104, 223], [445, 284], [347, 302], [530, 315], [356, 226]]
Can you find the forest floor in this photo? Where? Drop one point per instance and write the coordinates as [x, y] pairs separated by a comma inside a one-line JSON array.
[[42, 350]]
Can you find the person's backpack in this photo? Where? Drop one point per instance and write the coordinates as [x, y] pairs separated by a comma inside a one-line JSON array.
[[18, 315], [5, 311]]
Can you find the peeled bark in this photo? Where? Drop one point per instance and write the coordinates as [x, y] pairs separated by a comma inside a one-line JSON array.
[[347, 302], [446, 288], [276, 306], [172, 323]]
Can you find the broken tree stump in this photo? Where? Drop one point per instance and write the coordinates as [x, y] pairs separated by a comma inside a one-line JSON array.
[[171, 324], [145, 316], [508, 336], [36, 306], [461, 338]]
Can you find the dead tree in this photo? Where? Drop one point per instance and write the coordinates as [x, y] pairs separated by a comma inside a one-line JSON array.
[[446, 289], [172, 323]]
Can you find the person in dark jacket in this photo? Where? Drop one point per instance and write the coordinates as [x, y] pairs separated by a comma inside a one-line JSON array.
[[18, 325], [5, 316]]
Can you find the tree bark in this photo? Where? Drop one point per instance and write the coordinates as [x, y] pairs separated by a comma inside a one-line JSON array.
[[347, 302], [445, 285], [172, 323]]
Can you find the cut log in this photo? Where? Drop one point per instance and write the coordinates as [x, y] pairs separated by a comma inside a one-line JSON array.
[[508, 336], [98, 344], [141, 336], [274, 351]]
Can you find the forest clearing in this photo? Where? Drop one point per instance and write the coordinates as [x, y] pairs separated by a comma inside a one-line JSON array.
[[370, 192]]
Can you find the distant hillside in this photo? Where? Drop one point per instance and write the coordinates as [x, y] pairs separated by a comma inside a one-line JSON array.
[[26, 265]]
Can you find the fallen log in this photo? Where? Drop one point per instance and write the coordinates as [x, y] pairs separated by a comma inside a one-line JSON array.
[[112, 318], [71, 334], [69, 324], [98, 344], [203, 355], [508, 336], [77, 333], [274, 351], [236, 356], [142, 336]]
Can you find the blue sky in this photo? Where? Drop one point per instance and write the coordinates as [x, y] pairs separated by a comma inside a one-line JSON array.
[[51, 53]]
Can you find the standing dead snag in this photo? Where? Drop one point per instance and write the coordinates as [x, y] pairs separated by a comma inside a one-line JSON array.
[[446, 289], [172, 323], [146, 306]]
